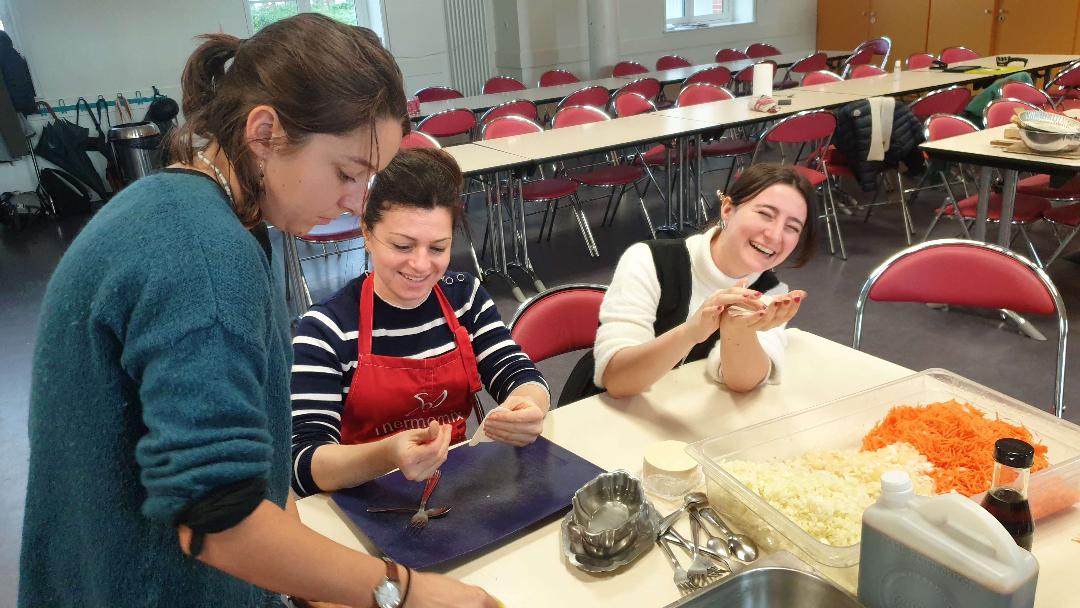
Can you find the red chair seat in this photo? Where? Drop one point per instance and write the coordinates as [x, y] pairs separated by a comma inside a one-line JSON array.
[[1039, 185], [1027, 208], [548, 189], [815, 177], [614, 175], [727, 147], [1068, 215], [656, 155]]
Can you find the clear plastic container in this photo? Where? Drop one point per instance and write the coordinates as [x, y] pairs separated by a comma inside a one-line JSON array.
[[841, 424]]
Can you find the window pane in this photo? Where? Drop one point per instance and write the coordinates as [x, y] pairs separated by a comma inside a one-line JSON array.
[[265, 13], [341, 10], [704, 8], [675, 9]]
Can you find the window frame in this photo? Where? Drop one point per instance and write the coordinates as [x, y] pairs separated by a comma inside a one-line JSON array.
[[698, 21], [363, 17]]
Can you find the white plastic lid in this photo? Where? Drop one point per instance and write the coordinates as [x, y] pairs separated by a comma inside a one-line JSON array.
[[895, 482]]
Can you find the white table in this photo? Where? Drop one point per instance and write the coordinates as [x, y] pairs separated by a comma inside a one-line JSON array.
[[680, 74]]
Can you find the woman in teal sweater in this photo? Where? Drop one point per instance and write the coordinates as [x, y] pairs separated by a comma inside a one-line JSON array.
[[160, 407]]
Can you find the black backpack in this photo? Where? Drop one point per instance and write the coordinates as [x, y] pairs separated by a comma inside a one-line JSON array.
[[63, 193], [16, 74]]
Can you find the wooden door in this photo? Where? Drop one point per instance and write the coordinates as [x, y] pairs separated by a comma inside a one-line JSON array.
[[968, 23], [904, 22], [1035, 27], [842, 24]]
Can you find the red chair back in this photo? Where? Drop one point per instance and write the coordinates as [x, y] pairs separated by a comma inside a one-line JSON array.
[[558, 321], [820, 77], [1000, 111], [553, 78], [670, 62], [595, 96], [694, 94], [730, 55], [427, 94], [418, 139], [628, 68], [747, 74], [955, 54], [516, 107], [508, 126], [866, 70], [502, 84], [876, 46], [761, 49], [572, 116], [950, 100], [1067, 78], [649, 88], [944, 126], [629, 103], [717, 76], [811, 63], [1026, 92], [919, 60], [810, 126], [448, 123]]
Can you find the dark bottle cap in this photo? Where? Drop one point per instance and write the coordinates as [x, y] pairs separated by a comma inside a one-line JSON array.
[[1015, 453]]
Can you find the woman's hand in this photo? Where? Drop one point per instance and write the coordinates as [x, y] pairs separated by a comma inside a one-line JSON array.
[[435, 591], [519, 426], [780, 311], [707, 318], [420, 452]]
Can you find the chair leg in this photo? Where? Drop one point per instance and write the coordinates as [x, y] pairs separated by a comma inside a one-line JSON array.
[[941, 210], [1061, 247], [1031, 246], [583, 225], [909, 229], [645, 212], [607, 208], [551, 225]]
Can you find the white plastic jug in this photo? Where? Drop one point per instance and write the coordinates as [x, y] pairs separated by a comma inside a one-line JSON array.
[[939, 551]]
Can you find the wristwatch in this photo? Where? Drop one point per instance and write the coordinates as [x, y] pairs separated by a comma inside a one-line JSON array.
[[388, 592]]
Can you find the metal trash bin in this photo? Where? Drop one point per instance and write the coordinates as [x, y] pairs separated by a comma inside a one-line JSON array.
[[136, 148]]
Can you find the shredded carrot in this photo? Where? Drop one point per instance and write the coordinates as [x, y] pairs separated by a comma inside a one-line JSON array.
[[956, 438]]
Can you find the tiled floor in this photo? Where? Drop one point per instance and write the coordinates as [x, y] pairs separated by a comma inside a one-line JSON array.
[[913, 335]]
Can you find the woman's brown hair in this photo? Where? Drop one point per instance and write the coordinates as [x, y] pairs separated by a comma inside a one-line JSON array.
[[319, 75], [760, 176], [418, 178]]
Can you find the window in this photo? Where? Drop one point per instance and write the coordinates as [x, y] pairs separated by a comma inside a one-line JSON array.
[[685, 14], [264, 12]]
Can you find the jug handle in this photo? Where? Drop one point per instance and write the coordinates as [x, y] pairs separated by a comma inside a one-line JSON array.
[[945, 513]]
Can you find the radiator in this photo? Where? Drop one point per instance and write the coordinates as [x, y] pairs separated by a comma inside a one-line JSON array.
[[468, 31]]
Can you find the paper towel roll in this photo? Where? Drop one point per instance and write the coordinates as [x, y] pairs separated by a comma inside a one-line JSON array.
[[763, 76]]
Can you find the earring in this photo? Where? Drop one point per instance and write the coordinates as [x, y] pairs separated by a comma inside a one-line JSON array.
[[262, 171]]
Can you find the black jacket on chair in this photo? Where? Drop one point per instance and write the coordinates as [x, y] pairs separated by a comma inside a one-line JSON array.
[[852, 139]]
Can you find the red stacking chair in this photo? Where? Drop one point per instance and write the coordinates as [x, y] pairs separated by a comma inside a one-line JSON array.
[[724, 55], [613, 174], [810, 63], [864, 54], [502, 84], [515, 107], [595, 96], [916, 61], [863, 71], [716, 76], [803, 140], [950, 100], [735, 148], [546, 190], [557, 321], [956, 54], [670, 62], [427, 94], [761, 49], [418, 139], [744, 79], [649, 88], [556, 77], [1067, 217], [968, 273], [820, 77], [1025, 92], [448, 123], [1000, 111], [628, 68], [1064, 88], [630, 103]]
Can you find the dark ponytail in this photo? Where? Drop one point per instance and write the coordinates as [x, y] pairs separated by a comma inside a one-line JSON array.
[[319, 75]]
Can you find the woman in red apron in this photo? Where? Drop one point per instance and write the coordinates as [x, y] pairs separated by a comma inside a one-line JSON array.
[[426, 343]]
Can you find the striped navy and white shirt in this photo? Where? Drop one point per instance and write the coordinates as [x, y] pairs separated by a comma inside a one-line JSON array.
[[325, 349]]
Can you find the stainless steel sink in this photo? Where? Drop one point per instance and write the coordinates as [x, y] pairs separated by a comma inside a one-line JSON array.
[[771, 587]]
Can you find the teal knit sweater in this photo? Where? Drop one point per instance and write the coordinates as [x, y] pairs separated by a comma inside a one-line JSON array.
[[161, 372]]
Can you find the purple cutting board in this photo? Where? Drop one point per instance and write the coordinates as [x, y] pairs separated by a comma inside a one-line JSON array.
[[494, 490]]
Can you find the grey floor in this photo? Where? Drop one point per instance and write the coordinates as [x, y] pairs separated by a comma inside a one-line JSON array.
[[912, 335]]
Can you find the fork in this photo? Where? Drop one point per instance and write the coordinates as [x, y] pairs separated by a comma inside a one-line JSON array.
[[420, 518], [682, 581], [700, 566]]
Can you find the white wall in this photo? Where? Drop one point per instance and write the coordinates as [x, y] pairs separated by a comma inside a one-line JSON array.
[[416, 33]]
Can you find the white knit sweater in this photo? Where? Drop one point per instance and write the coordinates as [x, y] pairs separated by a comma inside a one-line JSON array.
[[629, 309]]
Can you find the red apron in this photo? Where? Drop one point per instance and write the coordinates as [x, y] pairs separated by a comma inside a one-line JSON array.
[[392, 394]]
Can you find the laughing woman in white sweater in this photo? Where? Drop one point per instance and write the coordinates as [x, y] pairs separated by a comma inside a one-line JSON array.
[[701, 298]]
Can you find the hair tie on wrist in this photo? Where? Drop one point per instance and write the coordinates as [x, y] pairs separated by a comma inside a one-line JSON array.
[[408, 585]]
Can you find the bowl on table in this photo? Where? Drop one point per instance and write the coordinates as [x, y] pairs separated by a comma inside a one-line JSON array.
[[607, 515], [1045, 141]]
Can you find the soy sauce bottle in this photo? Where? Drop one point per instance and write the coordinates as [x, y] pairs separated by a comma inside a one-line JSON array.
[[1007, 499]]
